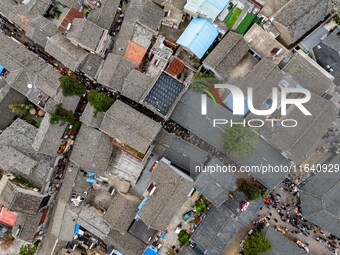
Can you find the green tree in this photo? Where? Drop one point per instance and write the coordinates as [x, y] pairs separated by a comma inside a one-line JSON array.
[[20, 109], [62, 115], [71, 87], [201, 81], [183, 237], [201, 205], [250, 191], [99, 101], [28, 249], [239, 141], [256, 244]]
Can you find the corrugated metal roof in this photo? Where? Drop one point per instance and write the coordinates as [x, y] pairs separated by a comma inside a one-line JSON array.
[[210, 8], [198, 36]]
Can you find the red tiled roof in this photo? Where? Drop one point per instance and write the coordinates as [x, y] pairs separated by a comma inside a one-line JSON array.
[[135, 53], [7, 217], [70, 16], [175, 67]]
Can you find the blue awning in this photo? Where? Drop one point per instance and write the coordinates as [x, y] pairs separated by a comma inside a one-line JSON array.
[[76, 229], [117, 252], [198, 36], [142, 203]]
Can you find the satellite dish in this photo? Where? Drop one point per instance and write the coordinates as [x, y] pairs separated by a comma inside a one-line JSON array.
[[29, 86]]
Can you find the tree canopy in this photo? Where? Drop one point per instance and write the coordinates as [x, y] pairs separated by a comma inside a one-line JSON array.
[[20, 109], [250, 191], [183, 237], [28, 249], [99, 101], [239, 141], [71, 87], [61, 115], [256, 244]]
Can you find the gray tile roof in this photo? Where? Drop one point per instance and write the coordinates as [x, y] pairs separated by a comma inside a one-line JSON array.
[[20, 14], [84, 154], [332, 40], [141, 231], [25, 68], [327, 56], [104, 16], [181, 153], [308, 73], [164, 94], [172, 191], [227, 54], [64, 51], [21, 200], [28, 225], [39, 29], [69, 103], [136, 84], [146, 13], [16, 162], [115, 69], [188, 114], [91, 65], [48, 138], [216, 186], [220, 226], [216, 231], [151, 15], [126, 244], [124, 36], [86, 33], [281, 245], [71, 3], [320, 201], [121, 213], [303, 139], [138, 131], [91, 219], [19, 156], [300, 16], [89, 119]]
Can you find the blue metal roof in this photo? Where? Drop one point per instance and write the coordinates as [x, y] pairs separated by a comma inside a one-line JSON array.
[[198, 36], [209, 8], [150, 251]]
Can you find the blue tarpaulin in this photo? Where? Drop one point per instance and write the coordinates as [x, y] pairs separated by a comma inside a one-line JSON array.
[[1, 68], [89, 174], [90, 180], [198, 36], [150, 251], [76, 229]]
